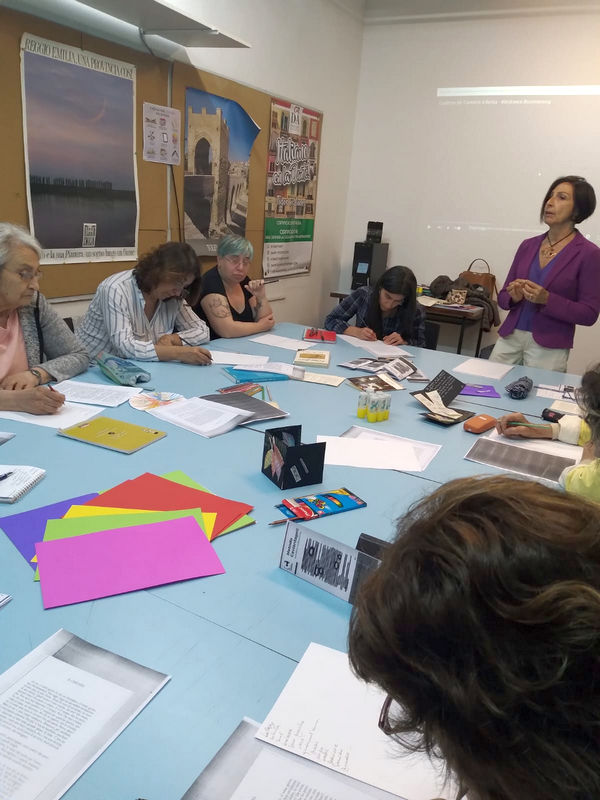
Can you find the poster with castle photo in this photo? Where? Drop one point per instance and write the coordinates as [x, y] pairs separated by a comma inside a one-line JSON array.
[[291, 188], [219, 135]]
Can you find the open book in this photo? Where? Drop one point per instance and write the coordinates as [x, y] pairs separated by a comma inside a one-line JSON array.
[[200, 416]]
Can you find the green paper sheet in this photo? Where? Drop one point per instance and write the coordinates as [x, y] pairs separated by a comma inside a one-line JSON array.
[[77, 526], [178, 476]]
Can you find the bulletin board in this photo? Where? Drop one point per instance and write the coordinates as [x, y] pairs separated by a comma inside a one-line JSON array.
[[68, 280]]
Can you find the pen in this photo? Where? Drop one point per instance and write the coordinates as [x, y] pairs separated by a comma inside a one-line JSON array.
[[6, 475], [529, 424], [286, 519]]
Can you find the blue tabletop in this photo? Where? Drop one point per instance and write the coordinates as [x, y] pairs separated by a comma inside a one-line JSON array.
[[229, 641]]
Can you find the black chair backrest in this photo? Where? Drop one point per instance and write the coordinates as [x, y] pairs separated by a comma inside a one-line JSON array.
[[432, 333]]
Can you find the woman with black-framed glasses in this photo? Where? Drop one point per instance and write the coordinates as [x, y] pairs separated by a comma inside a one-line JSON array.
[[144, 313], [483, 625]]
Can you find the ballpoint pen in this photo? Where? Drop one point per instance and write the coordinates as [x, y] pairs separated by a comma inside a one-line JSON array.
[[6, 475]]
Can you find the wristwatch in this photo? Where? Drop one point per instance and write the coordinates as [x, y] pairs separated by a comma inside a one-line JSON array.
[[37, 374]]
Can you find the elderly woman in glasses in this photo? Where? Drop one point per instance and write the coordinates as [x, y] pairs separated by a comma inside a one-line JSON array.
[[231, 303], [143, 314], [483, 626], [36, 346]]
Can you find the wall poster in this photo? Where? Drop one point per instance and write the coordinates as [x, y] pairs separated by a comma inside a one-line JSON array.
[[79, 141], [291, 188], [219, 135]]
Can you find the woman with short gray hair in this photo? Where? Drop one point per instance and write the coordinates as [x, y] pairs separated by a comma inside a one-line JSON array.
[[36, 346]]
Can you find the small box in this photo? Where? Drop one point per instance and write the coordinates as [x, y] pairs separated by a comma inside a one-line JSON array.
[[479, 424], [289, 463]]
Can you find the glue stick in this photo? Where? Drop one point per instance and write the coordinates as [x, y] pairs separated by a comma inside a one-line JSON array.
[[361, 410], [372, 407]]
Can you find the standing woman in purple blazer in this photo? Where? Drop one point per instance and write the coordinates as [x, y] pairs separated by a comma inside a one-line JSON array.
[[553, 284]]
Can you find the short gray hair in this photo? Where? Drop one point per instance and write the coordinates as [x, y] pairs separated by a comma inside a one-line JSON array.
[[12, 236]]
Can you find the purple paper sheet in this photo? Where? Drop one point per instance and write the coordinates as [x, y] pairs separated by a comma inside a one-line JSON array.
[[27, 528], [479, 390]]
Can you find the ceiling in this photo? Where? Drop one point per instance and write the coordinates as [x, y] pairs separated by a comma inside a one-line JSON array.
[[378, 11]]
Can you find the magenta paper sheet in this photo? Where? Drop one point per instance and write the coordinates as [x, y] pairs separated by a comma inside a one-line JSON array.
[[122, 560]]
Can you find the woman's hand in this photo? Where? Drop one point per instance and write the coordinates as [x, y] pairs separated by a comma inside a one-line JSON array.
[[24, 380], [535, 293], [361, 333], [257, 288], [266, 323], [170, 338], [515, 290], [195, 355], [393, 338], [39, 400], [503, 426]]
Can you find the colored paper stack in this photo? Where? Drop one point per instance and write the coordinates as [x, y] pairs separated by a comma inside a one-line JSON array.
[[144, 532]]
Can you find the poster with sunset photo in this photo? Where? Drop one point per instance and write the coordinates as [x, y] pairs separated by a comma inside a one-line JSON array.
[[79, 131]]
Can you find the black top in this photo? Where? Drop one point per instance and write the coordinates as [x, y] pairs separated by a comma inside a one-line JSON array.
[[212, 283]]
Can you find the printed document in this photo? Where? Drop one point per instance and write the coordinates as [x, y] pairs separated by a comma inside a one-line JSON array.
[[97, 394], [201, 416], [61, 706]]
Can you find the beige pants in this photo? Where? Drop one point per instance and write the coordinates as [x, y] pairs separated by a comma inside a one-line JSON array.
[[520, 348]]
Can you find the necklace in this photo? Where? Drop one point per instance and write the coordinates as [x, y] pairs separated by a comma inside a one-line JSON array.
[[550, 252]]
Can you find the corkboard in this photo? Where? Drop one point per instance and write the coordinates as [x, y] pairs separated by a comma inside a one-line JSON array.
[[68, 280]]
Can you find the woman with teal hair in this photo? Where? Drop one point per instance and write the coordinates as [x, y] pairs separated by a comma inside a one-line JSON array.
[[230, 302]]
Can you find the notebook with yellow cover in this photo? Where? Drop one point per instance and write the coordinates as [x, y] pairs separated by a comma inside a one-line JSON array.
[[124, 437]]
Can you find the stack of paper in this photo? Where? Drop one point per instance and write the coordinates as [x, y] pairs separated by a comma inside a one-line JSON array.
[[144, 532]]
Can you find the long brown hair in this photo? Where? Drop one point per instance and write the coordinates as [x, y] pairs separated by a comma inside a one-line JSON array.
[[483, 623], [172, 258]]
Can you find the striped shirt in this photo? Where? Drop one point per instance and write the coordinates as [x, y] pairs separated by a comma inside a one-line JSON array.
[[116, 323]]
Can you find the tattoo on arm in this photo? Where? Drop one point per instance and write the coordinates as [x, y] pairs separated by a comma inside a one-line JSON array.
[[219, 307], [257, 307]]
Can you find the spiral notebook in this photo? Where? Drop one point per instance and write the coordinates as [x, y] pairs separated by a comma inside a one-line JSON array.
[[15, 481]]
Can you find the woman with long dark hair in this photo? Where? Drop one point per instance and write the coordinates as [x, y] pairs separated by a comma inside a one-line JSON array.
[[387, 311]]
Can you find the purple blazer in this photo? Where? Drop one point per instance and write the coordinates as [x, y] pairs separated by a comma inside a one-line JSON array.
[[574, 292]]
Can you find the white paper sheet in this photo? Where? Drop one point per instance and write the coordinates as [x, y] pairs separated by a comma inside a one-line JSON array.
[[369, 453], [322, 377], [427, 301], [549, 394], [273, 340], [425, 451], [238, 359], [381, 349], [58, 714], [67, 415], [483, 368], [327, 715], [97, 394]]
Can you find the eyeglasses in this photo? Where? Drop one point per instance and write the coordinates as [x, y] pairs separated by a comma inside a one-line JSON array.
[[28, 275], [384, 723], [235, 260]]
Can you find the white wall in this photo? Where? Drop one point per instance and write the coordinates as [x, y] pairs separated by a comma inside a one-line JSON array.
[[448, 191]]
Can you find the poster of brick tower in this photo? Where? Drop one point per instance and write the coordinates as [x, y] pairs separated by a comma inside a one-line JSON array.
[[218, 139], [291, 188]]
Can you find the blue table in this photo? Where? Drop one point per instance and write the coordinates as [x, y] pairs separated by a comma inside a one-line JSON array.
[[230, 642]]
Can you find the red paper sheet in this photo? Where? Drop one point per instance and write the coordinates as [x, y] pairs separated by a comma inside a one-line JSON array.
[[153, 493]]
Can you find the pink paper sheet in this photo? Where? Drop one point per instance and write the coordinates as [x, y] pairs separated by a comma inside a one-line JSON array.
[[122, 560]]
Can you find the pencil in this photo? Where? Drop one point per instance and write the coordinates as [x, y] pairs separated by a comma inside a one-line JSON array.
[[285, 519], [529, 424]]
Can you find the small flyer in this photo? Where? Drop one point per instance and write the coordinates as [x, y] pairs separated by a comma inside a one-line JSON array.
[[162, 134]]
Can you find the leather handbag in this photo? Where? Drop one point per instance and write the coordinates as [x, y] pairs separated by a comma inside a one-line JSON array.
[[485, 279]]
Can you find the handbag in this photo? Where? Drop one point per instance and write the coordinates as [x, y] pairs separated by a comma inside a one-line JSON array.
[[457, 297], [485, 279]]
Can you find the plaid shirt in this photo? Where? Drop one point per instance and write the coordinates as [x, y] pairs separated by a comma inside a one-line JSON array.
[[357, 305]]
